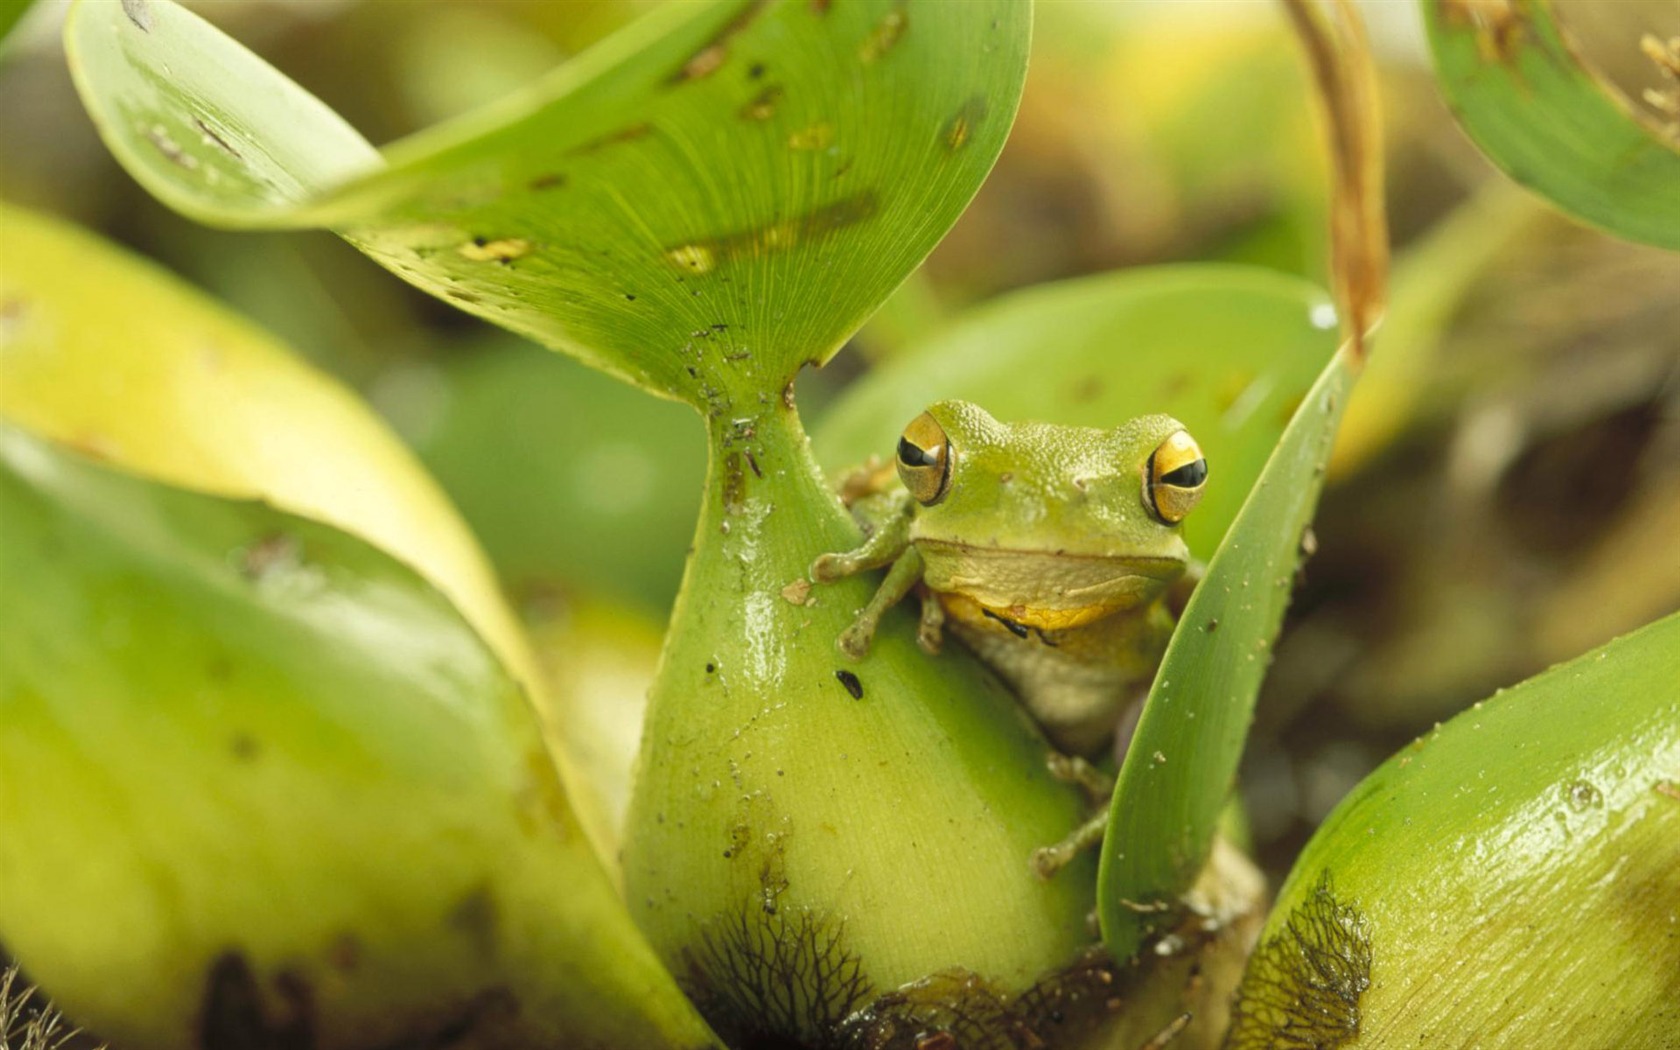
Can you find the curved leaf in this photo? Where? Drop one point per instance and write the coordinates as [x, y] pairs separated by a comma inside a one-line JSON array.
[[1525, 96], [1228, 350], [107, 353], [1179, 770], [1514, 873], [701, 203], [242, 750]]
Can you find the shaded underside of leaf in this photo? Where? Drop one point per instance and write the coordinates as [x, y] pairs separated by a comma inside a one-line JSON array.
[[1515, 874], [246, 749], [1229, 351], [1182, 762], [701, 203], [1524, 94]]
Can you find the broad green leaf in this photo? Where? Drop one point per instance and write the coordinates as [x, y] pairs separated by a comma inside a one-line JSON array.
[[1179, 770], [1524, 94], [1514, 874], [570, 479], [701, 203], [261, 784], [1229, 351], [107, 353]]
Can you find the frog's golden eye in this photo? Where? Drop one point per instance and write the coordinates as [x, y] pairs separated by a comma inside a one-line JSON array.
[[1176, 475], [924, 460]]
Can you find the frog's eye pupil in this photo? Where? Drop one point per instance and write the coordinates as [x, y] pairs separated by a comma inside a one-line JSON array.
[[912, 456], [1174, 478], [924, 460], [1188, 476]]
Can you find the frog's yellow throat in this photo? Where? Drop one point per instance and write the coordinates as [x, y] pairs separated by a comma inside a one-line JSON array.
[[1048, 592], [1020, 618]]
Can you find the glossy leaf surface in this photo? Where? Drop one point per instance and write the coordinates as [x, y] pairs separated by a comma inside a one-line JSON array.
[[1179, 771], [701, 203], [1525, 95], [809, 833], [1229, 351], [245, 750], [1514, 874]]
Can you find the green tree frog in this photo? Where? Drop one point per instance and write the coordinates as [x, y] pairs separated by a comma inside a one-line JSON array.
[[1050, 551]]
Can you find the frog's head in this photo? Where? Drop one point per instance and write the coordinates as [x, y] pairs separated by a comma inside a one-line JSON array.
[[1049, 526]]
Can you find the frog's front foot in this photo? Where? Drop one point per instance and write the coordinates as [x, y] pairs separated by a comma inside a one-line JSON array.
[[930, 635], [854, 640], [1046, 861], [830, 567], [1071, 769]]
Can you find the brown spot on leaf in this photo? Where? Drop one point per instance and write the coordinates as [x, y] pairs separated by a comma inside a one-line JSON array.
[[238, 1014], [13, 311], [961, 126], [475, 917], [612, 138], [1086, 389], [711, 57], [816, 136], [550, 181], [763, 104], [502, 250], [886, 34], [703, 256]]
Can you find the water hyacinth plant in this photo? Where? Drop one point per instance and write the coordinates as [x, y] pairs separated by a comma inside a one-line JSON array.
[[280, 765]]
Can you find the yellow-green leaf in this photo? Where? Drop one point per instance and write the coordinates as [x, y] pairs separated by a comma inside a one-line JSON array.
[[1514, 875], [261, 784]]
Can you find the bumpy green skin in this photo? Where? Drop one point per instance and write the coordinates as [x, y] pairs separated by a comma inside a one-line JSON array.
[[1048, 562], [783, 819], [1511, 880], [261, 785]]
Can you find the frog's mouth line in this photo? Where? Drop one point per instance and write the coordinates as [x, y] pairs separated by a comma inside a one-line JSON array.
[[1147, 566], [1050, 608]]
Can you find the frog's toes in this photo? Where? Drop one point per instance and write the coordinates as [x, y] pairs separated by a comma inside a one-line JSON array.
[[931, 639], [828, 568], [1046, 861], [854, 641]]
